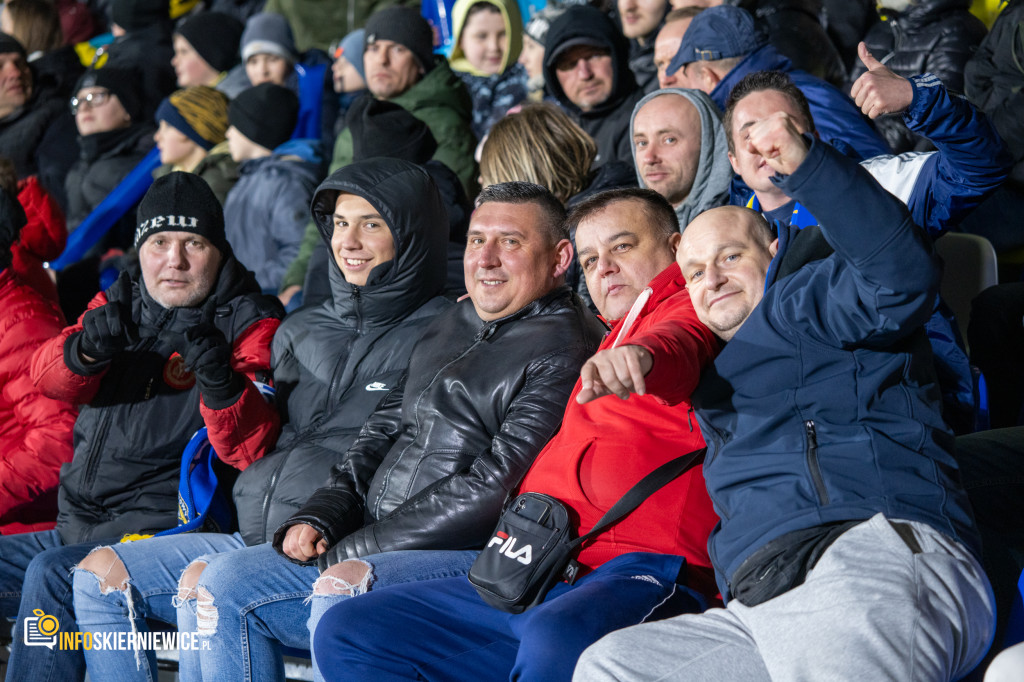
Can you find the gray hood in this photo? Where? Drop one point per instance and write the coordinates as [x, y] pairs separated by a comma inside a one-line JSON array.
[[714, 173]]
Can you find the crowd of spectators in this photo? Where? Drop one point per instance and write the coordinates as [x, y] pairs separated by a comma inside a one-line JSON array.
[[327, 295]]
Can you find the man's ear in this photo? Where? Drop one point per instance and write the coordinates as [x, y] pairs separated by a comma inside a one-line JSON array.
[[773, 248], [732, 162], [673, 241], [708, 78], [563, 258]]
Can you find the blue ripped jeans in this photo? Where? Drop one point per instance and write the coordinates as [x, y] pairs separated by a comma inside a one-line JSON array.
[[261, 601]]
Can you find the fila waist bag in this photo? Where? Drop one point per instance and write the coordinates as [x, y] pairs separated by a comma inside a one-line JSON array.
[[534, 545]]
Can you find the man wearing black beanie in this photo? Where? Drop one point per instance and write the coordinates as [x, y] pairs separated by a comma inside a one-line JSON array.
[[268, 207], [152, 360]]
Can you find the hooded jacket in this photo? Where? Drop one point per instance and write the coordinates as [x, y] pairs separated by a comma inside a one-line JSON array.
[[493, 94], [437, 458], [36, 429], [930, 36], [442, 101], [335, 361], [836, 117], [714, 172], [842, 421], [608, 122], [138, 411], [266, 211]]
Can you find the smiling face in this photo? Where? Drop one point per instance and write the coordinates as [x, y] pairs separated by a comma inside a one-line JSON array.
[[724, 259], [666, 134], [749, 165], [510, 260], [179, 268], [391, 68], [641, 17], [361, 239], [189, 67], [621, 251], [484, 40], [267, 68], [586, 75]]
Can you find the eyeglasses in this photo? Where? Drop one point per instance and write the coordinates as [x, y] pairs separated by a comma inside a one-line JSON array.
[[93, 99]]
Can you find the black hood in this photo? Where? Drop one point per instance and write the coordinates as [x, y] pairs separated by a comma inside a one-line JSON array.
[[411, 205], [923, 12], [593, 25]]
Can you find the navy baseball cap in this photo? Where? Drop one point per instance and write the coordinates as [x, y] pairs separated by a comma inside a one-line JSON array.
[[718, 33]]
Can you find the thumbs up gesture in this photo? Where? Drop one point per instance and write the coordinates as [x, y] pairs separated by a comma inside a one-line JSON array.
[[880, 91]]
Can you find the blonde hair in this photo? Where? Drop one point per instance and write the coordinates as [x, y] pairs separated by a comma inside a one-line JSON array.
[[542, 145], [36, 25]]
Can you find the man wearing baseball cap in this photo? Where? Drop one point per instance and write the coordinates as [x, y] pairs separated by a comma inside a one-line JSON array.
[[723, 44], [154, 358]]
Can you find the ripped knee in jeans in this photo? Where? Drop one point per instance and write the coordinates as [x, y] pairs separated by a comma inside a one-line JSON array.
[[350, 578]]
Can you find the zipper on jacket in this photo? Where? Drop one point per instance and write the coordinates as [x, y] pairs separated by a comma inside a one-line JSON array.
[[812, 462], [93, 461], [149, 389], [358, 307]]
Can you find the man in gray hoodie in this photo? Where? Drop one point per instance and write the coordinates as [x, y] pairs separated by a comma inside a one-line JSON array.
[[680, 150]]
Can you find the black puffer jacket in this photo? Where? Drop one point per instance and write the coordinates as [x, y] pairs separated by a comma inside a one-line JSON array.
[[607, 123], [434, 463], [334, 362], [994, 78], [931, 36], [105, 160], [794, 28], [129, 438]]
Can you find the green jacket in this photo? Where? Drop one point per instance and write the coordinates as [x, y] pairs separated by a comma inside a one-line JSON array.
[[442, 102], [316, 23], [218, 169]]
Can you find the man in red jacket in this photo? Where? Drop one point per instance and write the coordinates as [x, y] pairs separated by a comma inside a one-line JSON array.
[[648, 565], [35, 429], [152, 360]]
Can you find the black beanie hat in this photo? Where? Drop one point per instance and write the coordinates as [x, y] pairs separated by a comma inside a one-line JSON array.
[[131, 15], [382, 128], [9, 43], [265, 113], [405, 26], [124, 83], [182, 202], [215, 36], [12, 219]]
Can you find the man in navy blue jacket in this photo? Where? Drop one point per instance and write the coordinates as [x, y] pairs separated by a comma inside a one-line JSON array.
[[846, 544]]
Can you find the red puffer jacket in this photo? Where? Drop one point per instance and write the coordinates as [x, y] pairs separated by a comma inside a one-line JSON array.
[[35, 430], [42, 239]]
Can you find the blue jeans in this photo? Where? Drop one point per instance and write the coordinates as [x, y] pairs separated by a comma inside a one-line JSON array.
[[154, 566], [35, 570], [443, 630], [261, 602]]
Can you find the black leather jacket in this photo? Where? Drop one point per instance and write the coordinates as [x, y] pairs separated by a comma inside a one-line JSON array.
[[434, 463]]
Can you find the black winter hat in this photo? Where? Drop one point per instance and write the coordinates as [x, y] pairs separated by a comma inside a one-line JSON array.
[[125, 83], [215, 36], [265, 113], [182, 202], [405, 26], [382, 128], [131, 15], [9, 43], [12, 219]]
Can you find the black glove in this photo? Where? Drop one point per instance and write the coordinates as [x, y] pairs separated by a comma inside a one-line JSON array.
[[109, 329], [207, 354]]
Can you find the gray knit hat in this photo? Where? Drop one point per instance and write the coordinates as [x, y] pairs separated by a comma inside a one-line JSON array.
[[268, 33]]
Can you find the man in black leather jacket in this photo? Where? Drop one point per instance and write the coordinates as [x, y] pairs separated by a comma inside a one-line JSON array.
[[486, 388]]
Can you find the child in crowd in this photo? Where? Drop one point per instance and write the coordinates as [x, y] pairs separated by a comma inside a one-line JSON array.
[[266, 211], [488, 39], [532, 56], [191, 138], [268, 50], [205, 49], [348, 78]]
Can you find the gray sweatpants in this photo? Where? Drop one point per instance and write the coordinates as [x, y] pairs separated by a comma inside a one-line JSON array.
[[871, 609]]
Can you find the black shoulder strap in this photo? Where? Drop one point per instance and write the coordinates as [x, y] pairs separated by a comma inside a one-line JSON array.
[[646, 487]]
